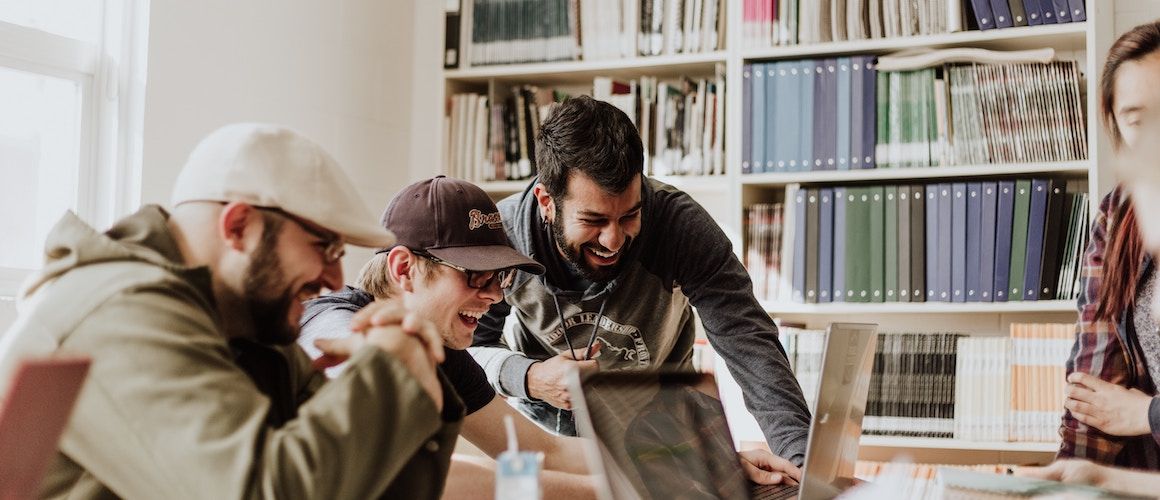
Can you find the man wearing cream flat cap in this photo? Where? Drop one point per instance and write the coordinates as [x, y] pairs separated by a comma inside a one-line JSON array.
[[197, 389]]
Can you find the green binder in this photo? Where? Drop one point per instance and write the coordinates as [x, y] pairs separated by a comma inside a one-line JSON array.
[[857, 245], [877, 245], [1019, 239], [890, 241]]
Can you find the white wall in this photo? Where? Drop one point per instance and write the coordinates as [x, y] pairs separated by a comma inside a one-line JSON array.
[[339, 71], [1130, 13]]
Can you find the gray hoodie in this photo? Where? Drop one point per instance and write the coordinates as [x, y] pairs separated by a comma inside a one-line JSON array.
[[680, 259]]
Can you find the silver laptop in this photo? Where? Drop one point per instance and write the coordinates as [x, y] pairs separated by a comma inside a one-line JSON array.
[[663, 435]]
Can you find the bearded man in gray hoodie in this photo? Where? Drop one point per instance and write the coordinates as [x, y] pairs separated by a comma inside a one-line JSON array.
[[626, 259]]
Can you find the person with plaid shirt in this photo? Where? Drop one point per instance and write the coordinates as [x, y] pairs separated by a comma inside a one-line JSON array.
[[1111, 413]]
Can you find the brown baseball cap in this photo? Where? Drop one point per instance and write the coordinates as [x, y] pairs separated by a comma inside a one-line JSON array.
[[456, 221]]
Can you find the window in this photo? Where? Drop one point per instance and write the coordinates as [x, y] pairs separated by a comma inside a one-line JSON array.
[[71, 92]]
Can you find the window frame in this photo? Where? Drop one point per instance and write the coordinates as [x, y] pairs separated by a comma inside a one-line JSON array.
[[111, 76]]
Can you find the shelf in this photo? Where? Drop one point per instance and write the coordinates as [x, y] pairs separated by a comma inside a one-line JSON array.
[[577, 71], [1041, 306], [1067, 36], [955, 444], [884, 174], [503, 187]]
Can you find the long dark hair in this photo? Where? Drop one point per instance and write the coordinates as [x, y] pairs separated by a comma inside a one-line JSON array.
[[1124, 254]]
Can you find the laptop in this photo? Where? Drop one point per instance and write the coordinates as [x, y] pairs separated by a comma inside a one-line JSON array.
[[33, 415], [663, 435]]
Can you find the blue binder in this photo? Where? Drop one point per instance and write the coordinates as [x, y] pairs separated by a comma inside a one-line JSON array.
[[746, 119], [1078, 10], [806, 112], [1048, 10], [844, 73], [1062, 11], [823, 123], [772, 111], [869, 112], [1034, 13], [932, 248], [757, 141], [825, 244], [856, 111], [1036, 218], [987, 218], [958, 242], [974, 240], [1004, 216], [799, 245], [1002, 12], [785, 93], [838, 288], [945, 242], [917, 243], [983, 15]]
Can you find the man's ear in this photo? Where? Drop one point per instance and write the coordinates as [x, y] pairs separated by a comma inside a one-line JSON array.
[[546, 203], [401, 267], [237, 221]]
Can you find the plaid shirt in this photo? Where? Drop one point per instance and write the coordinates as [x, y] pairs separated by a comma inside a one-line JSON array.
[[1110, 351]]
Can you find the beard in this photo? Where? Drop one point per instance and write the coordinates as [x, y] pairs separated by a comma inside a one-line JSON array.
[[264, 275], [574, 252]]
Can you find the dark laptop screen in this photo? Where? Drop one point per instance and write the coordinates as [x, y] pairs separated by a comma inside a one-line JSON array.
[[666, 433]]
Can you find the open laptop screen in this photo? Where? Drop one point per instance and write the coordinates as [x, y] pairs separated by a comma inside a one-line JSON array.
[[664, 433]]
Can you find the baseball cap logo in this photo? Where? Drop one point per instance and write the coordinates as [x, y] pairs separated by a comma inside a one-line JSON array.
[[477, 219]]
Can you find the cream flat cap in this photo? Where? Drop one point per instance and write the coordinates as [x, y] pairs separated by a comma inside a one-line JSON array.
[[274, 167]]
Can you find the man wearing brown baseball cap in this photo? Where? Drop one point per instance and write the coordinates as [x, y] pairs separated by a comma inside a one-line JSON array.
[[196, 388], [451, 262]]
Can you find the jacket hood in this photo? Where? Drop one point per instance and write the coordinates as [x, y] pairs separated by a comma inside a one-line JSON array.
[[142, 237]]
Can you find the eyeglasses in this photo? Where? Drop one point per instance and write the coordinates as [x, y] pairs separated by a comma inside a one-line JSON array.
[[331, 247], [478, 280]]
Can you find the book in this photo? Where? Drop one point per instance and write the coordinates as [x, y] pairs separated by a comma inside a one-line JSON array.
[[1004, 223], [838, 288], [973, 241], [825, 253], [876, 247], [958, 242], [1019, 223], [917, 243], [811, 255], [903, 243], [1036, 228], [890, 244], [945, 232]]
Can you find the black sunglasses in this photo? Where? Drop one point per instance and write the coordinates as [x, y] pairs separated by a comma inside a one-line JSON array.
[[478, 280]]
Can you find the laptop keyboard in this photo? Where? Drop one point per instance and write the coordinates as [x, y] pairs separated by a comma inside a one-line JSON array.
[[773, 491]]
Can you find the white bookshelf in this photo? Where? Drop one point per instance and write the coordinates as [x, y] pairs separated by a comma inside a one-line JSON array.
[[726, 196]]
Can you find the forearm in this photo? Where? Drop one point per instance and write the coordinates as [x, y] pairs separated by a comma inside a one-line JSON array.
[[1131, 481], [507, 370], [566, 455]]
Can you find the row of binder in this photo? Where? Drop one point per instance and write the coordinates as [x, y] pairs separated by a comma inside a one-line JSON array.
[[989, 241]]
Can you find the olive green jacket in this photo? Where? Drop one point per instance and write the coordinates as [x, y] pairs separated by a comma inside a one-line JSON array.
[[169, 410]]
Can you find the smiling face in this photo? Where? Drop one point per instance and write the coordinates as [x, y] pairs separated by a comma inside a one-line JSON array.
[[439, 294], [593, 228], [286, 268]]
